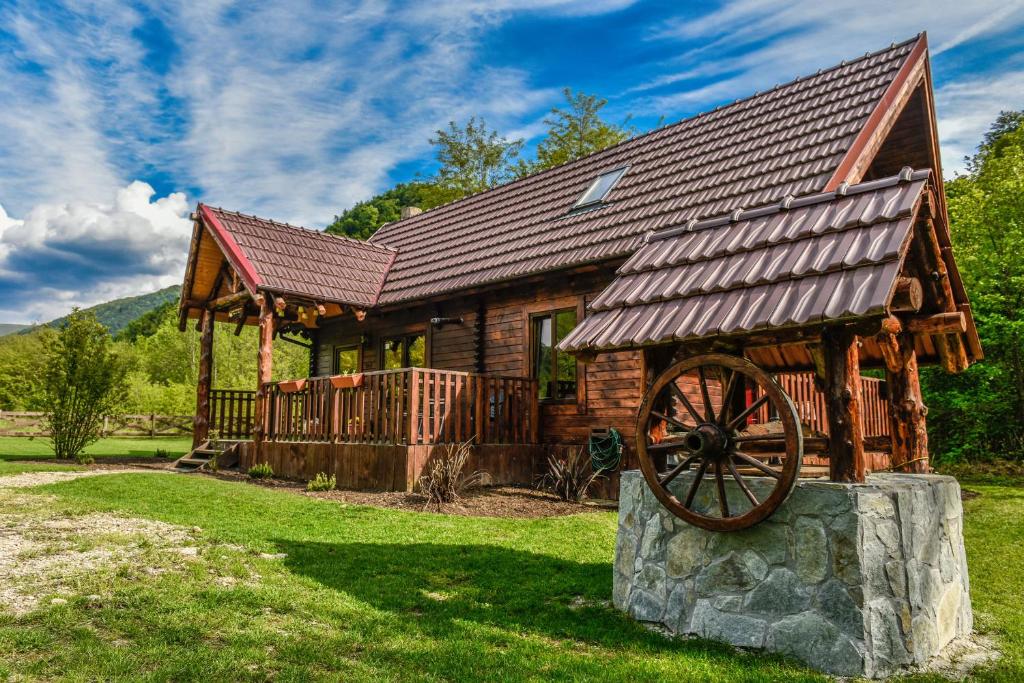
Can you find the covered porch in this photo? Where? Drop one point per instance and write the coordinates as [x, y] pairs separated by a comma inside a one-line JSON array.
[[375, 430]]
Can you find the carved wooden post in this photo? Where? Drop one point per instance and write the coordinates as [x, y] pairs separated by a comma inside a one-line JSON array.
[[907, 412], [843, 397], [201, 421], [264, 361]]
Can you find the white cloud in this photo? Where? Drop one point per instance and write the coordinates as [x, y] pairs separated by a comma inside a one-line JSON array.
[[967, 107], [80, 253], [755, 44]]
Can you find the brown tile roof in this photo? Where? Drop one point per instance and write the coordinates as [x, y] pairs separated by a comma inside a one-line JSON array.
[[790, 140], [286, 259], [829, 256]]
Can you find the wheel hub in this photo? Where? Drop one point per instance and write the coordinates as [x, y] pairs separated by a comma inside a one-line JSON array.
[[708, 441]]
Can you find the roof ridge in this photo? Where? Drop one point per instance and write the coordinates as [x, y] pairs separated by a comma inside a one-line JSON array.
[[680, 122], [302, 228], [906, 175]]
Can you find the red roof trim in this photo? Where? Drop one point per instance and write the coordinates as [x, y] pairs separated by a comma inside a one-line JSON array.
[[891, 95], [231, 249]]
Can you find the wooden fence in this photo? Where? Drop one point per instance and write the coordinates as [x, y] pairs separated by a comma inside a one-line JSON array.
[[33, 424], [407, 406], [231, 413]]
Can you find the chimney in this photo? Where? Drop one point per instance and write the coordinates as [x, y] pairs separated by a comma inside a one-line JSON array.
[[410, 211]]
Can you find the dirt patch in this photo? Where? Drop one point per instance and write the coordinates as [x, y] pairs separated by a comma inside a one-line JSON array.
[[489, 501], [42, 554], [28, 479], [963, 656]]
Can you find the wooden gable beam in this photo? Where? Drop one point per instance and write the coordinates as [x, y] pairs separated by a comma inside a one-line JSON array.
[[867, 143], [190, 273]]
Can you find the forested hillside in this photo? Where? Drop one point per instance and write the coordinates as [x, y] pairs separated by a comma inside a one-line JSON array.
[[10, 328], [117, 314]]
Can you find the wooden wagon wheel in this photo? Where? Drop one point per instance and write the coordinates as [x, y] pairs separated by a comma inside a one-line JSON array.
[[698, 415]]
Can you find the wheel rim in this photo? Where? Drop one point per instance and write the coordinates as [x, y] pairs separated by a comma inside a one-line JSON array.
[[698, 417]]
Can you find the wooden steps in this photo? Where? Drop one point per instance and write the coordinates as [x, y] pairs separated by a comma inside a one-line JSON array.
[[223, 455]]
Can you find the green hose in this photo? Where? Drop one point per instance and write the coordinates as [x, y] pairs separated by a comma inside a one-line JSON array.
[[605, 451]]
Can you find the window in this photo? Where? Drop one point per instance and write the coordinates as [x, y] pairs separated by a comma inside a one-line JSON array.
[[408, 351], [600, 188], [555, 372], [346, 360]]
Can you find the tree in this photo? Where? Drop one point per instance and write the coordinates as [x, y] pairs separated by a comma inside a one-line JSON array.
[[84, 380], [981, 413], [365, 218], [577, 130], [474, 158]]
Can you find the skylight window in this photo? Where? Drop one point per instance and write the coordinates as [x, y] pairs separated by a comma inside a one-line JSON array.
[[600, 188]]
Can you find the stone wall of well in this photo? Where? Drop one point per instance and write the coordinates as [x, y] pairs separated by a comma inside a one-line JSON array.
[[853, 579]]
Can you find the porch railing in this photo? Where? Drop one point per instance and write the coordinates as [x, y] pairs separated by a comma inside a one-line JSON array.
[[231, 413], [810, 403], [407, 406]]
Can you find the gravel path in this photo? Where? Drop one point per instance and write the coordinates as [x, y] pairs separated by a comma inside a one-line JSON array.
[[27, 479]]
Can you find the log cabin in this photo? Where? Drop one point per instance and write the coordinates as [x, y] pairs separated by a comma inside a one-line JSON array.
[[451, 325]]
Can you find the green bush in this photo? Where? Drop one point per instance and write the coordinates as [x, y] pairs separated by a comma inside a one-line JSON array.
[[322, 482], [261, 470]]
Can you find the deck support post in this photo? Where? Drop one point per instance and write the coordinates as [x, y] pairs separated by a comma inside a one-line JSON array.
[[907, 411], [843, 399], [264, 365], [201, 421]]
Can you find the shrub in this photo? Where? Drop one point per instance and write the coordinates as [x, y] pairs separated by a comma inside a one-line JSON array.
[[570, 477], [446, 479], [161, 453], [321, 482], [84, 380], [261, 470]]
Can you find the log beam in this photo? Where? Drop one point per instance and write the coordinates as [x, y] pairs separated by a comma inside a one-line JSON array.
[[843, 397], [888, 343], [264, 366], [201, 420], [907, 412], [228, 301], [908, 296], [940, 323]]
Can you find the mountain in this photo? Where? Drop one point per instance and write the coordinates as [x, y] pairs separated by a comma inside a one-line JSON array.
[[117, 314], [10, 328]]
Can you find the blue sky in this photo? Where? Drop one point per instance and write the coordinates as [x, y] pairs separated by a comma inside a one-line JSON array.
[[118, 117]]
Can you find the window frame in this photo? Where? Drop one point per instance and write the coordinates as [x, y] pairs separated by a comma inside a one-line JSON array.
[[599, 201], [534, 347], [335, 356], [405, 338]]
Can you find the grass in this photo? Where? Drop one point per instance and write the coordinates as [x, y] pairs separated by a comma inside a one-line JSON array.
[[9, 468], [26, 448], [370, 594]]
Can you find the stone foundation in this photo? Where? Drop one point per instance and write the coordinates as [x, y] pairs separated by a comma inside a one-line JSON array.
[[852, 579]]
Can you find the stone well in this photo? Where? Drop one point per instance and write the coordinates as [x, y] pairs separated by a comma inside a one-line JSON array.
[[852, 579]]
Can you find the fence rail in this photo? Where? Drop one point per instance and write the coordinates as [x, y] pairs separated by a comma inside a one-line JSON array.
[[407, 406], [26, 423], [231, 413]]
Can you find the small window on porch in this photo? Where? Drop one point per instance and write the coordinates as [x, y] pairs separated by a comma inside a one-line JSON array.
[[408, 351], [346, 360], [555, 372]]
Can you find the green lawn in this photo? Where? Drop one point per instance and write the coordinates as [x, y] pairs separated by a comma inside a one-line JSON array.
[[369, 594], [25, 448]]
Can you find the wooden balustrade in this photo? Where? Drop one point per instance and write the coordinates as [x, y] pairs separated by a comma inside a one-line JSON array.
[[810, 403], [407, 406], [232, 413]]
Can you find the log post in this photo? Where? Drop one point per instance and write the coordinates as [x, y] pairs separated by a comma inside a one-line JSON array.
[[264, 365], [201, 421], [907, 412], [843, 398]]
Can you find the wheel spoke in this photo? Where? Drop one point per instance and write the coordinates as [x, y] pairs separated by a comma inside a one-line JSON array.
[[754, 462], [727, 397], [738, 420], [677, 470], [742, 484], [686, 403], [709, 412], [661, 416], [723, 504], [692, 493]]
